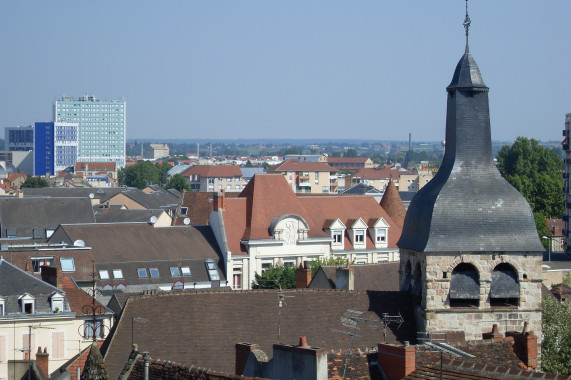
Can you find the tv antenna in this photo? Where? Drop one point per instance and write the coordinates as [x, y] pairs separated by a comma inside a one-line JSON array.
[[281, 301], [351, 319], [388, 319], [442, 347]]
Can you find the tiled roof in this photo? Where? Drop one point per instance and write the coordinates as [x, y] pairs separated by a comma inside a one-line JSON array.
[[77, 361], [202, 327], [117, 214], [556, 226], [213, 171], [129, 246], [380, 277], [359, 366], [386, 172], [199, 206], [295, 165], [348, 160], [158, 199], [392, 204], [27, 214], [268, 196], [361, 189], [105, 166], [78, 298], [101, 193]]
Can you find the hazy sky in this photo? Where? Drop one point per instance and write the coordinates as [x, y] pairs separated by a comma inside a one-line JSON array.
[[287, 69]]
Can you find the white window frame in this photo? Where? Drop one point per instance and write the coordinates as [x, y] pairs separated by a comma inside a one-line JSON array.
[[359, 236], [381, 235], [65, 262], [27, 299], [57, 303], [118, 273], [337, 234], [103, 274]]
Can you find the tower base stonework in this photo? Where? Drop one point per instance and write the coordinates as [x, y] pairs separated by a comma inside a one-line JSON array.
[[434, 312]]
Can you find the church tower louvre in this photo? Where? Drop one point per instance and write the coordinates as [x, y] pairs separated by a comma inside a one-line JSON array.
[[469, 249]]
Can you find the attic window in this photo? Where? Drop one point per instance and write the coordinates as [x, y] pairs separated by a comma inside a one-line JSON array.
[[117, 273], [27, 304], [67, 264], [359, 236], [49, 232], [2, 307], [175, 271], [185, 271], [142, 272], [104, 274], [37, 262], [337, 237], [381, 235], [212, 271], [57, 303], [11, 232], [154, 272], [183, 210]]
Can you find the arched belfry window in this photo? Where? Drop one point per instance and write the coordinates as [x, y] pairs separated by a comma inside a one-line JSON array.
[[417, 283], [504, 290], [465, 286], [407, 277]]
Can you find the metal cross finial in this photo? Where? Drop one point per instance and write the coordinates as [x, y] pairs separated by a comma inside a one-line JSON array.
[[467, 23]]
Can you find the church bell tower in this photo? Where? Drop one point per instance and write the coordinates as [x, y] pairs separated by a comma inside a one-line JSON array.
[[469, 249]]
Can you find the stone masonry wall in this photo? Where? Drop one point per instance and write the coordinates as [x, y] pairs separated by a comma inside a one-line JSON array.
[[434, 311]]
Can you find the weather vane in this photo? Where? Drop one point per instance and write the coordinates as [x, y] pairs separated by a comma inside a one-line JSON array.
[[467, 23]]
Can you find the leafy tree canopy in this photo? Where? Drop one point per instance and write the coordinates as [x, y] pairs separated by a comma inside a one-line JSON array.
[[330, 261], [272, 277], [178, 182], [535, 172], [556, 344], [35, 182], [144, 173]]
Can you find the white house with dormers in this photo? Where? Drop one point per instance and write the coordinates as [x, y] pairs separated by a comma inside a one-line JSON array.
[[268, 225]]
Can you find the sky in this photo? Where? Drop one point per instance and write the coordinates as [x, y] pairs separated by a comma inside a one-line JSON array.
[[261, 69]]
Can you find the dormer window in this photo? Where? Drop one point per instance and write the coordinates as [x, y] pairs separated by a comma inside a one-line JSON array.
[[27, 304], [57, 302], [337, 237], [381, 235], [2, 307], [359, 236], [379, 230]]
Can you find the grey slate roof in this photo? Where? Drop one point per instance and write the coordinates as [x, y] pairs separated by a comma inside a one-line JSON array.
[[380, 277], [116, 214], [362, 189], [102, 194], [15, 282], [28, 214], [156, 200], [468, 206]]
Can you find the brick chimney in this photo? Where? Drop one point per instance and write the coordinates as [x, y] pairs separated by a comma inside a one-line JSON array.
[[242, 353], [219, 201], [52, 275], [345, 278], [42, 359], [528, 344], [396, 361], [303, 276]]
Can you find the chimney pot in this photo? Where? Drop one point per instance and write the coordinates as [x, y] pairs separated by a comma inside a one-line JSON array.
[[495, 329], [303, 341]]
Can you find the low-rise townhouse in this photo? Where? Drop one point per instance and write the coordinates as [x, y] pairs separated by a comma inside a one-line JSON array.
[[308, 177], [210, 178]]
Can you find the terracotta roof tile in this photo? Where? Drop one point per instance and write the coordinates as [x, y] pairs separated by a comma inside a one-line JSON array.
[[95, 165], [76, 297], [392, 204], [295, 165], [213, 171], [377, 173], [349, 160], [268, 196]]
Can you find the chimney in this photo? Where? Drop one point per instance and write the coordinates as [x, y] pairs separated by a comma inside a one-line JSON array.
[[396, 361], [345, 278], [242, 353], [42, 359], [303, 276], [528, 342], [287, 360], [52, 275], [219, 200]]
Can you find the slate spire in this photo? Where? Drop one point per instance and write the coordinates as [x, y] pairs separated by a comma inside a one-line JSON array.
[[468, 206]]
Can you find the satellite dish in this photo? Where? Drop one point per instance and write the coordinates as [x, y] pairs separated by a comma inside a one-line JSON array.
[[79, 243], [153, 219], [91, 195], [186, 221]]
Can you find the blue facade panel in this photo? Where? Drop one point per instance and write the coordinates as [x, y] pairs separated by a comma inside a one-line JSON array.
[[44, 148]]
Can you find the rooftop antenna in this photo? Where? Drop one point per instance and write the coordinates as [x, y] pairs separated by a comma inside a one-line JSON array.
[[467, 23], [351, 319]]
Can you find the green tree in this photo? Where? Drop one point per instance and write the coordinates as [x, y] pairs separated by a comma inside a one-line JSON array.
[[178, 182], [274, 276], [535, 172], [330, 261], [350, 153], [35, 182], [144, 173], [556, 344]]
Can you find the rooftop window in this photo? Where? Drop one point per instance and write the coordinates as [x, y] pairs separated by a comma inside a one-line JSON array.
[[104, 274], [142, 272], [185, 271], [117, 273], [154, 272], [67, 264], [175, 271]]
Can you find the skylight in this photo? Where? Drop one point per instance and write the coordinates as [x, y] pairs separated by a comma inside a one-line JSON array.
[[154, 272], [142, 272], [67, 264], [185, 271], [104, 274]]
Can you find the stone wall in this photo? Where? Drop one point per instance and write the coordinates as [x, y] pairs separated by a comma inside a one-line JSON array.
[[434, 312]]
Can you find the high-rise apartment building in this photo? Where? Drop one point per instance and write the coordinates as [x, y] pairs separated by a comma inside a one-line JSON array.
[[102, 127], [55, 147], [19, 138]]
